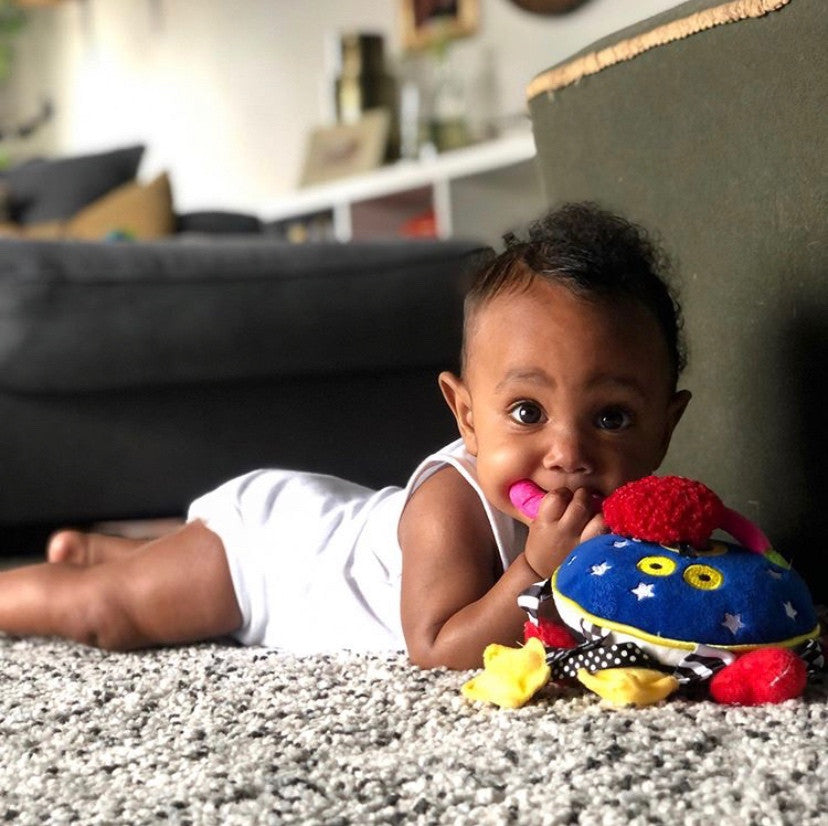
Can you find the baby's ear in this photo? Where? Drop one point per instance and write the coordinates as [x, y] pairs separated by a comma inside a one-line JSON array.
[[678, 404], [458, 399], [675, 410]]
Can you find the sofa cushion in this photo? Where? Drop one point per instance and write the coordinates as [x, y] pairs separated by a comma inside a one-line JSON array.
[[47, 189], [132, 211], [43, 231], [82, 316], [138, 211], [219, 222]]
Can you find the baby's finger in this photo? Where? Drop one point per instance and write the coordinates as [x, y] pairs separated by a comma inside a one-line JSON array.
[[595, 527], [554, 505], [580, 510]]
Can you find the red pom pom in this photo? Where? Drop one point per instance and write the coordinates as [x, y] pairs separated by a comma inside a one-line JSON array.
[[665, 509], [767, 675], [551, 634]]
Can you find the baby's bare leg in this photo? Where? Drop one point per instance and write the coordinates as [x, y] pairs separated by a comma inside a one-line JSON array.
[[91, 548], [172, 590], [81, 548]]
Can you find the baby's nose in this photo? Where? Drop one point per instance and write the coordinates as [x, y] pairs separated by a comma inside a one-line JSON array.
[[568, 452]]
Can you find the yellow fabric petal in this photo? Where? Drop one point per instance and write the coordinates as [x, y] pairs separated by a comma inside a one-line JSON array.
[[510, 676], [629, 686]]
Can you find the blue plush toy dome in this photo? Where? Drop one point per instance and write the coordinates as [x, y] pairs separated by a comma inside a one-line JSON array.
[[725, 596]]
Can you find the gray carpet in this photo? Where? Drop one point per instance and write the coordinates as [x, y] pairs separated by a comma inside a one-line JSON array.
[[222, 735]]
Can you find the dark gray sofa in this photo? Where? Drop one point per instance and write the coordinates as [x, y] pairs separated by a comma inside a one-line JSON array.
[[707, 124], [134, 376]]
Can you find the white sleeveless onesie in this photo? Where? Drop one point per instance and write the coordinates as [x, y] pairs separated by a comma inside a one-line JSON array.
[[315, 560]]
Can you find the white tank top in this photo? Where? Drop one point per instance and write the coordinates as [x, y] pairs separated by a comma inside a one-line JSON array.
[[321, 548], [509, 534], [377, 552]]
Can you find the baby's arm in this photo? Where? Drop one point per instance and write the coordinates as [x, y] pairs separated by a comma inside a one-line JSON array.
[[455, 598]]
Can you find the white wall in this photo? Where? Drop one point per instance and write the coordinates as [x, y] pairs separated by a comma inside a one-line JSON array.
[[225, 92]]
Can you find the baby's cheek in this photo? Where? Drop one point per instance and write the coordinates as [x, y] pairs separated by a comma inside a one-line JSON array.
[[641, 458], [496, 474]]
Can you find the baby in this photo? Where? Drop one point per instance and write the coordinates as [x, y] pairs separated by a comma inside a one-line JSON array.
[[568, 389]]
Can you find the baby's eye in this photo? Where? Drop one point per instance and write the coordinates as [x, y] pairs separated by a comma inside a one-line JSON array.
[[613, 418], [527, 413]]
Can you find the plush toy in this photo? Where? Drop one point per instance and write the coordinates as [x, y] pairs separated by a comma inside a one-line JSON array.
[[657, 605]]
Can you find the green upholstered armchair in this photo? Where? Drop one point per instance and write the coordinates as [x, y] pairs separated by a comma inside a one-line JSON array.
[[707, 124]]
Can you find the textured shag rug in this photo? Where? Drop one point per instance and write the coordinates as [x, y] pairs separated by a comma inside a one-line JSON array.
[[216, 734]]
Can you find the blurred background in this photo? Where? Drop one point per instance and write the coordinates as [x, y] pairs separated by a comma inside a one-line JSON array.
[[225, 95]]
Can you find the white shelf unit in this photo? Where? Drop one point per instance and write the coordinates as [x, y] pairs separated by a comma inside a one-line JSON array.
[[427, 183]]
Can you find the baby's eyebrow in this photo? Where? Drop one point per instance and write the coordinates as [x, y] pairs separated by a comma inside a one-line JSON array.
[[602, 381], [618, 382], [539, 377], [533, 375]]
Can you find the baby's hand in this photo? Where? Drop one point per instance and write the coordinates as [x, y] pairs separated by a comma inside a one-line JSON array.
[[560, 521]]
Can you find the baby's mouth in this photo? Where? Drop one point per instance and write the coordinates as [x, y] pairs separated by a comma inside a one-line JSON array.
[[526, 496]]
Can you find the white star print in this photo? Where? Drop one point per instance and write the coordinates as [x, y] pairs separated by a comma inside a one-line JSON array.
[[600, 570], [790, 610], [733, 622], [643, 591], [620, 543]]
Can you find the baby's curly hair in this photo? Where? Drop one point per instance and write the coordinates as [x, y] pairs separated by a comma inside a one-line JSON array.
[[594, 253]]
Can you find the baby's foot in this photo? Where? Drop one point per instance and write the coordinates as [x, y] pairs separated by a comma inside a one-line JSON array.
[[79, 548], [69, 546]]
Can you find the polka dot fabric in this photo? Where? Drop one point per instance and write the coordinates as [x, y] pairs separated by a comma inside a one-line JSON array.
[[597, 655]]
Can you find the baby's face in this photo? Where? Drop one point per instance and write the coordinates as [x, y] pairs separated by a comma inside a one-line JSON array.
[[565, 392]]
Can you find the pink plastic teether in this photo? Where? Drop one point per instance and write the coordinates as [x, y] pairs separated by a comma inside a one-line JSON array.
[[745, 532], [526, 496]]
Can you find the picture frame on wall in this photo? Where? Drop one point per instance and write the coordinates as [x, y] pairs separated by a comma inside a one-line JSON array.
[[346, 149], [427, 23], [548, 6]]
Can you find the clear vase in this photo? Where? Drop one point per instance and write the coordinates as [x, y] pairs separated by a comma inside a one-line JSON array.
[[448, 122]]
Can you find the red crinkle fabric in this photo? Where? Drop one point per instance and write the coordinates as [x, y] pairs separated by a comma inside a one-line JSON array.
[[767, 675], [664, 509], [551, 634]]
